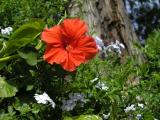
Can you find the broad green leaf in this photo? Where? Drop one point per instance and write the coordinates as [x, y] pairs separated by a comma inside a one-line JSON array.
[[35, 108], [83, 117], [89, 117], [30, 57], [23, 108], [22, 36], [6, 90]]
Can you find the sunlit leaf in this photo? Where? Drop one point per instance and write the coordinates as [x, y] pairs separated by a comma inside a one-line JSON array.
[[6, 89], [30, 57], [89, 117], [29, 87], [83, 117], [22, 36]]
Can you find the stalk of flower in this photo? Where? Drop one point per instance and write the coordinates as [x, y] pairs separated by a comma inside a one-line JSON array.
[[68, 44]]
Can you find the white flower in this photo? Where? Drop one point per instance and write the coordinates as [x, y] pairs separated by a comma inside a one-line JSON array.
[[6, 31], [102, 86], [10, 29], [138, 98], [139, 116], [105, 117], [99, 41], [69, 105], [117, 46], [94, 80], [120, 44], [141, 105], [130, 108], [44, 99]]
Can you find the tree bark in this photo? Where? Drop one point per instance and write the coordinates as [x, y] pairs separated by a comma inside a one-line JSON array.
[[108, 19]]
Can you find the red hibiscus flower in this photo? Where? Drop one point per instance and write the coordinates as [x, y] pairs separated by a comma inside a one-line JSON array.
[[68, 44]]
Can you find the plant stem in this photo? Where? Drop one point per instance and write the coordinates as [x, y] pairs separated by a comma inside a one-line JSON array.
[[39, 45], [8, 58]]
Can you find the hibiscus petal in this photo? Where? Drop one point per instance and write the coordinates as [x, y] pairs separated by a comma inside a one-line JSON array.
[[52, 36], [68, 64], [77, 57], [88, 46], [55, 55], [73, 28]]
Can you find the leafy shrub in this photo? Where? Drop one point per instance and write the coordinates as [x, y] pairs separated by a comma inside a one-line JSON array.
[[17, 12], [109, 88]]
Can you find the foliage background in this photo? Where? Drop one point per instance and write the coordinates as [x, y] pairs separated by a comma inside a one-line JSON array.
[[25, 73]]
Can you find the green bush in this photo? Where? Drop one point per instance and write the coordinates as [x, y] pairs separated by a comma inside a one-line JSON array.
[[17, 12], [98, 89]]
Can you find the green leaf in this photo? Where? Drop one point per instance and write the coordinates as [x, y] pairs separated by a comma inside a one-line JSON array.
[[30, 57], [35, 108], [83, 117], [89, 117], [23, 36], [6, 90], [23, 109], [10, 109], [29, 87]]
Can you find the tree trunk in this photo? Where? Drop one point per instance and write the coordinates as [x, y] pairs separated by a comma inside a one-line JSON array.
[[108, 19]]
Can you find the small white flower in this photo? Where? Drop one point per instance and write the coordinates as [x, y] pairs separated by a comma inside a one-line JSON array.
[[102, 86], [3, 32], [139, 98], [69, 105], [105, 117], [10, 29], [140, 105], [139, 116], [6, 31], [117, 46], [99, 43], [44, 99], [95, 79], [130, 108]]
